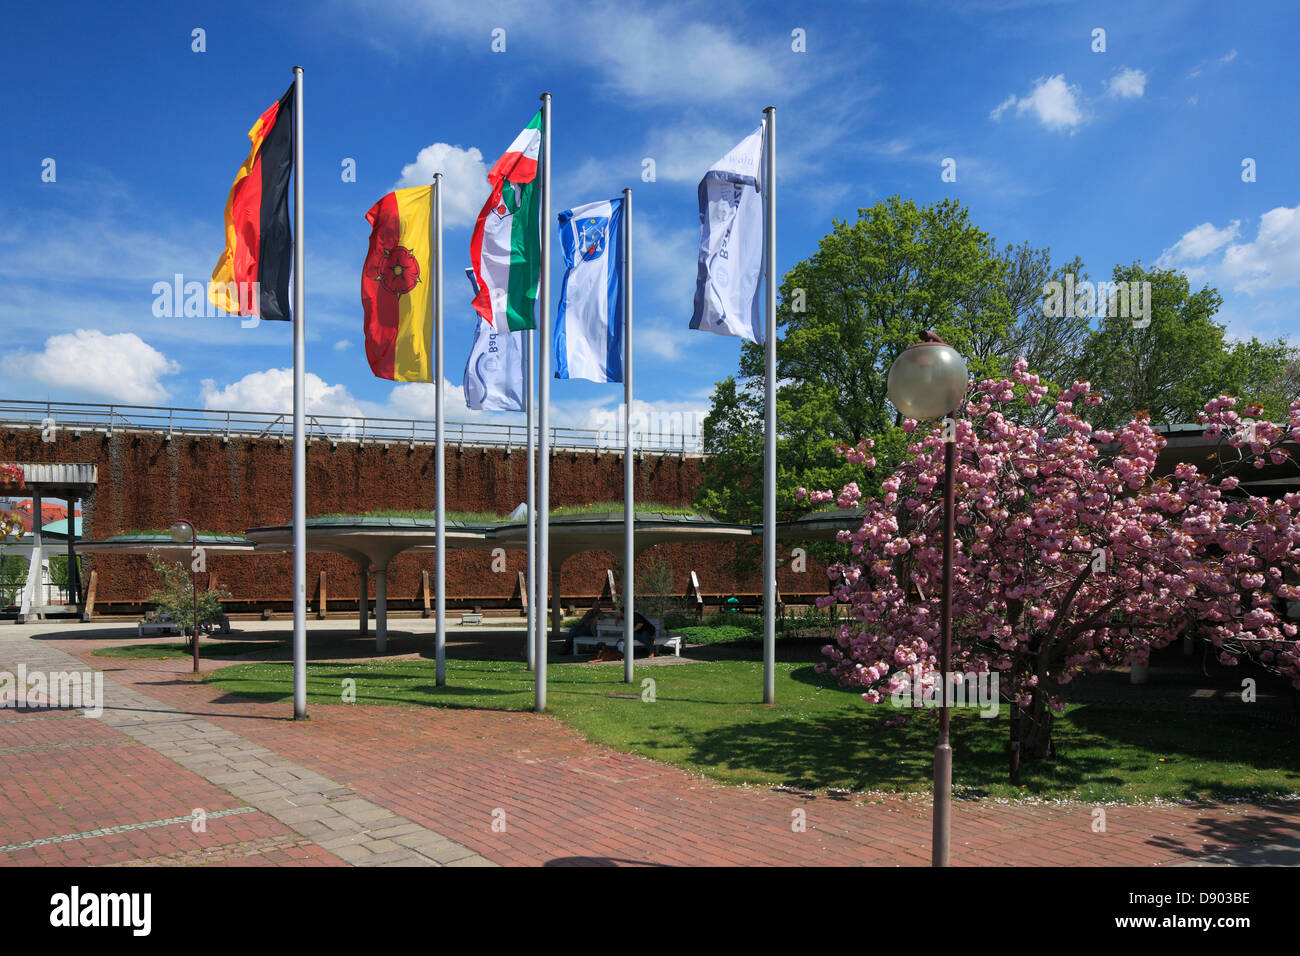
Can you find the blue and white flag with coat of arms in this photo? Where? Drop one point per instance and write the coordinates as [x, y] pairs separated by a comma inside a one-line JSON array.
[[729, 282], [589, 324]]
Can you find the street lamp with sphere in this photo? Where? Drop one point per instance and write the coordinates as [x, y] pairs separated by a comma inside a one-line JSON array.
[[183, 532], [928, 380]]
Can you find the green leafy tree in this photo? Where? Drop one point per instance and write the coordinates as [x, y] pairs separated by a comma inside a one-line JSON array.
[[13, 575], [656, 595], [174, 597], [844, 315], [1172, 366], [1052, 345], [59, 571]]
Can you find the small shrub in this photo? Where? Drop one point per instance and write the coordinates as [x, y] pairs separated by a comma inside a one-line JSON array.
[[175, 597], [719, 634]]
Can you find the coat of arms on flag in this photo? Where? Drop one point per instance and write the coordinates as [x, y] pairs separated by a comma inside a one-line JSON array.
[[592, 235]]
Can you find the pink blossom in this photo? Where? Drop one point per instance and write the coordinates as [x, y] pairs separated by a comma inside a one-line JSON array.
[[1034, 504]]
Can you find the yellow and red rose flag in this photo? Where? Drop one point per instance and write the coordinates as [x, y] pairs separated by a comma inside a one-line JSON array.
[[252, 275], [397, 288]]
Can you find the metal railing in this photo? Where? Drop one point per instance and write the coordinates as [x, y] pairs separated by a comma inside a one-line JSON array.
[[53, 417]]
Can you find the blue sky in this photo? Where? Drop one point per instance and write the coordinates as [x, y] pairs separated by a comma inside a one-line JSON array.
[[1131, 153]]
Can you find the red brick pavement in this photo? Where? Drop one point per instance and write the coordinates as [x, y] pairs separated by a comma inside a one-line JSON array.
[[569, 801], [63, 774]]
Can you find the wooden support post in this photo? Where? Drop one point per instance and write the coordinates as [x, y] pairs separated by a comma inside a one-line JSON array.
[[694, 597], [523, 595], [323, 607], [89, 612], [425, 575], [609, 591]]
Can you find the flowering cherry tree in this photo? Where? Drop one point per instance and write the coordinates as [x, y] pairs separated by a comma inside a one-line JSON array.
[[1071, 555]]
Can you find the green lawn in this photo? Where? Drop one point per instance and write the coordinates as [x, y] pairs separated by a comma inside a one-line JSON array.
[[706, 718]]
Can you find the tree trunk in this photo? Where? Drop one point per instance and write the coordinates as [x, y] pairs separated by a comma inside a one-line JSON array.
[[1035, 730]]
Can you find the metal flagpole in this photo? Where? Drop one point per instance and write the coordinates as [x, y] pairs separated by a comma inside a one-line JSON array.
[[543, 415], [530, 403], [440, 465], [629, 502], [299, 399], [769, 438]]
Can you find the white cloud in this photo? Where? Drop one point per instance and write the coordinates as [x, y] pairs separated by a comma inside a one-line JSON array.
[[683, 153], [1198, 243], [464, 177], [1052, 101], [1127, 84], [1272, 260], [416, 400], [272, 391], [342, 345], [663, 341], [122, 368], [652, 53], [1002, 107], [1229, 56], [660, 422], [666, 262]]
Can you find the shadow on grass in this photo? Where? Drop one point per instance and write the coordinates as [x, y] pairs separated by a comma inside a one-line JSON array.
[[820, 736]]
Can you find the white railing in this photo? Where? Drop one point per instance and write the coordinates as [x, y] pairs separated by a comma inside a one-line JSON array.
[[53, 417]]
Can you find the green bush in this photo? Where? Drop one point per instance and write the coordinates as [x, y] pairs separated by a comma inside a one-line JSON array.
[[808, 622], [175, 597], [751, 624], [717, 634]]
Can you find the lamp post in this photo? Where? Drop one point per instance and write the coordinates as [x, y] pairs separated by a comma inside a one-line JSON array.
[[182, 531], [928, 380]]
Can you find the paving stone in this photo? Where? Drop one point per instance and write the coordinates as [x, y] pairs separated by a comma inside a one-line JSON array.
[[445, 771]]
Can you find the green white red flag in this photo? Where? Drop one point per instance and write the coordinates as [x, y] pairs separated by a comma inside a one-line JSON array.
[[506, 249]]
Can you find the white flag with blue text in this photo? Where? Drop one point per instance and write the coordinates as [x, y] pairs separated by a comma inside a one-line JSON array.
[[494, 373], [589, 323], [729, 283]]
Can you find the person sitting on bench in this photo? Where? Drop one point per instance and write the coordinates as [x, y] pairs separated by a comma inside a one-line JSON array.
[[584, 628], [643, 632]]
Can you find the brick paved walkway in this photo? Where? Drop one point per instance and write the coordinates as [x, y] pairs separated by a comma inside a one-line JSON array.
[[424, 785]]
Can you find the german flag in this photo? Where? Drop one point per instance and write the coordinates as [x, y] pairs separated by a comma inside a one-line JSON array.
[[252, 276], [397, 288]]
